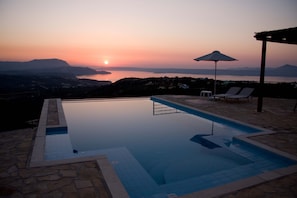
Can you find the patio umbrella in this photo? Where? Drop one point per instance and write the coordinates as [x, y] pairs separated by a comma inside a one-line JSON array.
[[215, 56]]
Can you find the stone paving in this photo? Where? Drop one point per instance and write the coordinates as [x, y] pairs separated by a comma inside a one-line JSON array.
[[52, 115], [85, 179], [69, 180]]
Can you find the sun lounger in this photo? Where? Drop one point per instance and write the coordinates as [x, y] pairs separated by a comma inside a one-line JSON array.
[[245, 93], [232, 91]]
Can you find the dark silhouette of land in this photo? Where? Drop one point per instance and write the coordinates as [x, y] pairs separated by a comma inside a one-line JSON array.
[[46, 67]]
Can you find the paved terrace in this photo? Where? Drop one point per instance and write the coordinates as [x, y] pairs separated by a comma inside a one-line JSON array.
[[85, 179]]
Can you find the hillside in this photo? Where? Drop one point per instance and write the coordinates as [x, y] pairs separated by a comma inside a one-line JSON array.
[[285, 70], [36, 64], [45, 67]]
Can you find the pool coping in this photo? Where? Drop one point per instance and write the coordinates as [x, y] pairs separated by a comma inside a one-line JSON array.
[[112, 180]]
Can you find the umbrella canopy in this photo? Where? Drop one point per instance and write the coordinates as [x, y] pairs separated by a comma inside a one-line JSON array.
[[215, 56]]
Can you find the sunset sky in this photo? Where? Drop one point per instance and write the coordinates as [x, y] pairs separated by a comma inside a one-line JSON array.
[[144, 33]]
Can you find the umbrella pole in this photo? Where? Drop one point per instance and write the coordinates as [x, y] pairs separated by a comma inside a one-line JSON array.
[[215, 80]]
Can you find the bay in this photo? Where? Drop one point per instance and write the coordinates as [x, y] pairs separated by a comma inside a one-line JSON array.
[[116, 75]]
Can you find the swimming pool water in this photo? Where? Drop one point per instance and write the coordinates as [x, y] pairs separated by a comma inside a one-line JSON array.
[[157, 147], [159, 142]]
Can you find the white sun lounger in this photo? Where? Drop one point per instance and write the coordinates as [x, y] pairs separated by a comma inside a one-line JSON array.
[[245, 93], [232, 91]]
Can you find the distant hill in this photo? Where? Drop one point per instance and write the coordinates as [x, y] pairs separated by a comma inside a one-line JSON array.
[[36, 64], [285, 70], [45, 67], [46, 63]]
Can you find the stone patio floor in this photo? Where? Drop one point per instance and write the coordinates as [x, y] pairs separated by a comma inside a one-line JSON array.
[[84, 179]]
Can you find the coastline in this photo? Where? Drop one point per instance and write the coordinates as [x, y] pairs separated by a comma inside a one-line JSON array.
[[116, 75]]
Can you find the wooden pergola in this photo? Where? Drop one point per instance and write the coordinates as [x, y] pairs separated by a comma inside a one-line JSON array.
[[287, 36]]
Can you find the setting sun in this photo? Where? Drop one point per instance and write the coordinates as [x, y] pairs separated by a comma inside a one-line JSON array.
[[118, 40]]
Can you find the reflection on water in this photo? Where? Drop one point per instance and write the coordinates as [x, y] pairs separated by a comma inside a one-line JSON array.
[[160, 109], [117, 75]]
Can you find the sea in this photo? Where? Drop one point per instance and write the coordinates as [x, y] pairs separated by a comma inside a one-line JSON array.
[[116, 75]]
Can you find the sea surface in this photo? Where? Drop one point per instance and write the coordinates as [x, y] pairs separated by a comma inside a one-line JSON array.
[[117, 75]]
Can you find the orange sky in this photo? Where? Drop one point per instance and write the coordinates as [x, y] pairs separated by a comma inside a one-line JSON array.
[[148, 33]]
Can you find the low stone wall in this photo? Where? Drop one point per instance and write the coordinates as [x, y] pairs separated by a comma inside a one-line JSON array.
[[52, 116]]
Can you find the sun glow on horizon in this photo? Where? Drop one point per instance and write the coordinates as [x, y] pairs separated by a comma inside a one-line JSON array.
[[72, 33]]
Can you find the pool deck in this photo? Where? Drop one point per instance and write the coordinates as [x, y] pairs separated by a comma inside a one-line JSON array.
[[85, 178]]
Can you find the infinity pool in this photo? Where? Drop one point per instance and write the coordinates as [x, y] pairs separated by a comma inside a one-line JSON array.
[[158, 148]]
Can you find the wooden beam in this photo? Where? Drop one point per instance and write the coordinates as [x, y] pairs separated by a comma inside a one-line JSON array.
[[288, 36]]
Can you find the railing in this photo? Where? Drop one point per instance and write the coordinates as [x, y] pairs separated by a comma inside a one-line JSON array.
[[160, 109]]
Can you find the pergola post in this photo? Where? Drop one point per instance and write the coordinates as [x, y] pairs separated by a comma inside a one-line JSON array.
[[288, 36], [262, 74]]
